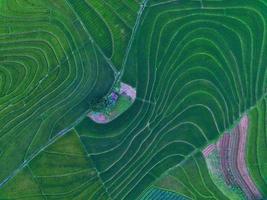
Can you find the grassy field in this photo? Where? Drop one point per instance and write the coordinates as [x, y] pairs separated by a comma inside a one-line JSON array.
[[109, 22], [191, 179], [62, 171], [197, 69], [197, 65], [158, 194], [52, 72], [257, 147]]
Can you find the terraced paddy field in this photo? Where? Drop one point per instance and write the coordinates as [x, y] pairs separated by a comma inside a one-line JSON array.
[[195, 129]]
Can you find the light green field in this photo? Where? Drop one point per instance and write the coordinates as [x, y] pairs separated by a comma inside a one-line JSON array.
[[62, 171], [192, 180]]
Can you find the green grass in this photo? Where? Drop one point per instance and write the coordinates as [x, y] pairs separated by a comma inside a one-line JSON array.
[[121, 105], [256, 150], [109, 23], [52, 72], [157, 194], [62, 171], [191, 179], [23, 185], [197, 66], [196, 70]]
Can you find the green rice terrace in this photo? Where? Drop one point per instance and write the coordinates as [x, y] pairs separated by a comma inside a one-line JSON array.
[[133, 99]]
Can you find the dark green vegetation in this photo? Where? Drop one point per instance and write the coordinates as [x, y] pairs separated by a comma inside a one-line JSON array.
[[50, 70], [191, 179], [62, 171], [109, 23], [157, 194], [257, 146], [197, 66]]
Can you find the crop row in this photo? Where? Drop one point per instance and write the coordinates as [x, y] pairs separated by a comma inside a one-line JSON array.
[[196, 68]]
